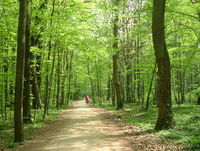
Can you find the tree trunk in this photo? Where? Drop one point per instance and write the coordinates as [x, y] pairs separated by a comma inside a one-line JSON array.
[[150, 87], [26, 100], [58, 83], [113, 92], [19, 81], [6, 102], [108, 89], [117, 82], [138, 74], [52, 79], [165, 116], [63, 80], [128, 84], [46, 102], [69, 78], [91, 83], [116, 76], [98, 83], [35, 89], [198, 101]]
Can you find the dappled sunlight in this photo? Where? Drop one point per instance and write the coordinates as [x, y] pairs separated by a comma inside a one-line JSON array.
[[81, 128]]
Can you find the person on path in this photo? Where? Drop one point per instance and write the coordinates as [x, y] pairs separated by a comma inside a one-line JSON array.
[[87, 99]]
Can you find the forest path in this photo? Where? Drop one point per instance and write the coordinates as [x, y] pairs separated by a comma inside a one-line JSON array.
[[80, 128]]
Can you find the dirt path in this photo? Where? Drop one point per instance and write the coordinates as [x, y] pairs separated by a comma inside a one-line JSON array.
[[80, 128]]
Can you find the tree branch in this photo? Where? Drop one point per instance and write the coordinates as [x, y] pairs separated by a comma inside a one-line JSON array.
[[177, 12]]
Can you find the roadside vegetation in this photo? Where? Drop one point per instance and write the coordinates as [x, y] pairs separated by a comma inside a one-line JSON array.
[[186, 131], [30, 130]]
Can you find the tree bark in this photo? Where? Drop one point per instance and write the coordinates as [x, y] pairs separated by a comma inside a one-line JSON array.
[[128, 83], [116, 76], [70, 77], [26, 99], [58, 82], [91, 83], [165, 116], [113, 92], [108, 89], [19, 79], [46, 102], [63, 79], [198, 101], [6, 89], [53, 79], [150, 88], [35, 89]]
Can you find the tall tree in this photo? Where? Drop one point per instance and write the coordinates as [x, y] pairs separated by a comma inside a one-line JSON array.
[[19, 80], [47, 88], [116, 77], [26, 99], [165, 116]]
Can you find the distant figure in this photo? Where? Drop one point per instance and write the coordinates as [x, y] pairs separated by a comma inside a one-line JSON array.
[[87, 99]]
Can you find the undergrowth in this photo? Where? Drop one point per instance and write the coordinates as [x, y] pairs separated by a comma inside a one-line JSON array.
[[186, 116], [7, 128]]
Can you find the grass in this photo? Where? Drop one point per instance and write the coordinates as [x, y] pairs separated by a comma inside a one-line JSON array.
[[187, 118], [7, 128]]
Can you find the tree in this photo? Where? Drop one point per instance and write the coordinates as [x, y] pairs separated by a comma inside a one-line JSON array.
[[19, 80], [116, 77], [26, 98], [165, 116]]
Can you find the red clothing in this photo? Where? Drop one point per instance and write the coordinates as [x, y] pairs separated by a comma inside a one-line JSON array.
[[87, 99]]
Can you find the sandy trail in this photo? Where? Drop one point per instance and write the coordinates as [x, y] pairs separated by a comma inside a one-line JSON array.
[[80, 128]]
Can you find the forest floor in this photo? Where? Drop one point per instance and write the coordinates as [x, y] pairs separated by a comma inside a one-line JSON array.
[[87, 128], [80, 128], [144, 141], [138, 123]]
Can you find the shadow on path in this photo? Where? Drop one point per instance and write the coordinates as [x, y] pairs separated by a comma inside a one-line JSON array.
[[80, 128]]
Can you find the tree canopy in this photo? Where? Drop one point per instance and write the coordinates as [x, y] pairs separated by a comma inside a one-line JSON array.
[[59, 51]]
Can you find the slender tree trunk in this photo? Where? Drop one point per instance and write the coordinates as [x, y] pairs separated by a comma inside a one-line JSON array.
[[138, 80], [182, 93], [128, 84], [52, 79], [113, 92], [65, 65], [91, 83], [6, 102], [69, 78], [165, 116], [109, 89], [35, 89], [98, 83], [134, 85], [19, 81], [46, 103], [198, 100], [58, 83], [150, 87]]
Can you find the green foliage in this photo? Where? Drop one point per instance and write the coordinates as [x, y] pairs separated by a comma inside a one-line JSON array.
[[13, 145], [6, 135], [186, 116], [74, 41]]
